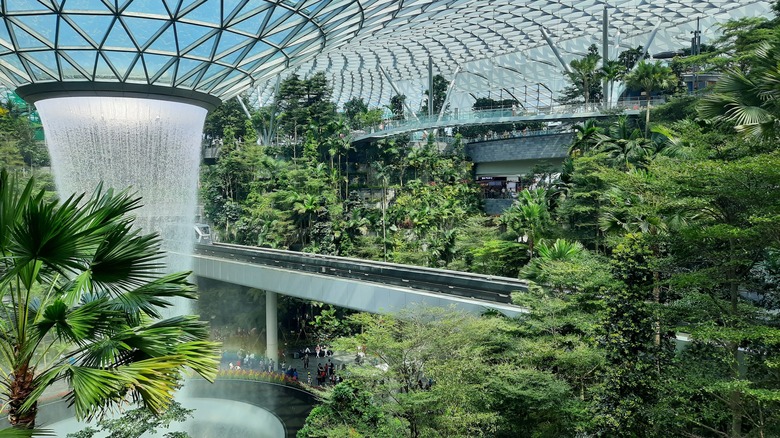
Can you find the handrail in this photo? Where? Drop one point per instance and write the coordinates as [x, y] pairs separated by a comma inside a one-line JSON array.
[[503, 115]]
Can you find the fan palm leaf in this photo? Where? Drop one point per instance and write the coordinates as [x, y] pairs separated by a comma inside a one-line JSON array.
[[75, 273]]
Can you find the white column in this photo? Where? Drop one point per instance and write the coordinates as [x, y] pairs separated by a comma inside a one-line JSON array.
[[271, 328]]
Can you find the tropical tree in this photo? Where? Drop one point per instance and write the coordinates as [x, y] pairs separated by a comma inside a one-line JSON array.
[[612, 71], [397, 106], [82, 301], [529, 217], [585, 137], [624, 144], [440, 84], [749, 100], [584, 76], [651, 77]]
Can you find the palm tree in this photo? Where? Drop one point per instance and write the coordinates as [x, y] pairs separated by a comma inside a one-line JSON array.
[[650, 77], [529, 216], [583, 73], [76, 278], [623, 143], [561, 250], [750, 100], [383, 172], [585, 137], [611, 71]]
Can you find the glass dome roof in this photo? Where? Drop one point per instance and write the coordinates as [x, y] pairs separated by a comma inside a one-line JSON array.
[[215, 47], [223, 47]]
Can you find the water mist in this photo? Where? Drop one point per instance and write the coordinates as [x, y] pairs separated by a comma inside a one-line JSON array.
[[151, 146]]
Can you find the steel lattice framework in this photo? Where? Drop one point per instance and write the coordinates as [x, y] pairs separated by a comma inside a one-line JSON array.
[[223, 47]]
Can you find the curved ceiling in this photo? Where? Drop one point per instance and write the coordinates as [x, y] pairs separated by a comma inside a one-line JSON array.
[[223, 47]]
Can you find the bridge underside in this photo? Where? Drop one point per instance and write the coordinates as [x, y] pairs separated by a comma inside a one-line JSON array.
[[344, 292]]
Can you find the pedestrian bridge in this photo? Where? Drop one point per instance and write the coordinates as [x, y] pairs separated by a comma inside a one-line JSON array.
[[554, 113], [362, 285]]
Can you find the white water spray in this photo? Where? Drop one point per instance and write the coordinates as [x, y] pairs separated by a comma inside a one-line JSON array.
[[152, 146]]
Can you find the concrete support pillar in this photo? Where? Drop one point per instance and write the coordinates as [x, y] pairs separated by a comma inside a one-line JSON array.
[[271, 328]]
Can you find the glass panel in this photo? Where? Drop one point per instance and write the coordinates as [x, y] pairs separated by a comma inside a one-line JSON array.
[[208, 12], [25, 6], [103, 71], [24, 40], [165, 42], [4, 36], [229, 6], [229, 59], [252, 24], [204, 49], [166, 79], [70, 72], [46, 59], [118, 38], [68, 37], [214, 70], [147, 7], [230, 40], [172, 6], [84, 58], [38, 74], [278, 37], [94, 26], [121, 61], [137, 74], [260, 48], [189, 33], [186, 66], [12, 61], [154, 63], [84, 5], [142, 29], [44, 26]]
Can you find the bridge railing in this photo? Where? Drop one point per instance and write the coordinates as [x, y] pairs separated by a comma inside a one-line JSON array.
[[500, 115]]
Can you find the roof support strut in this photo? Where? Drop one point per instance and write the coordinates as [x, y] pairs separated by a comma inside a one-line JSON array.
[[555, 50], [392, 85], [449, 93]]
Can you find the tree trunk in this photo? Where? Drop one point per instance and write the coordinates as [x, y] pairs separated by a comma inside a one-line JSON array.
[[384, 225], [647, 115], [735, 398], [21, 387]]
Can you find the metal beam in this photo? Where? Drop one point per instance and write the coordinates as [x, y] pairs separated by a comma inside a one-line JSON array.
[[650, 40], [243, 107], [555, 51], [449, 93], [605, 54], [430, 87], [392, 85]]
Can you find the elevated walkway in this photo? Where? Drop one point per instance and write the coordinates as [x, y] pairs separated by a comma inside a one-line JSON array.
[[363, 285], [555, 113]]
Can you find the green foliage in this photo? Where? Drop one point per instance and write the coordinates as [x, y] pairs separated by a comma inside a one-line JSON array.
[[18, 143], [585, 80], [77, 280], [228, 116], [397, 105], [442, 372], [136, 422], [440, 84], [304, 102], [748, 99], [631, 372], [350, 409]]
